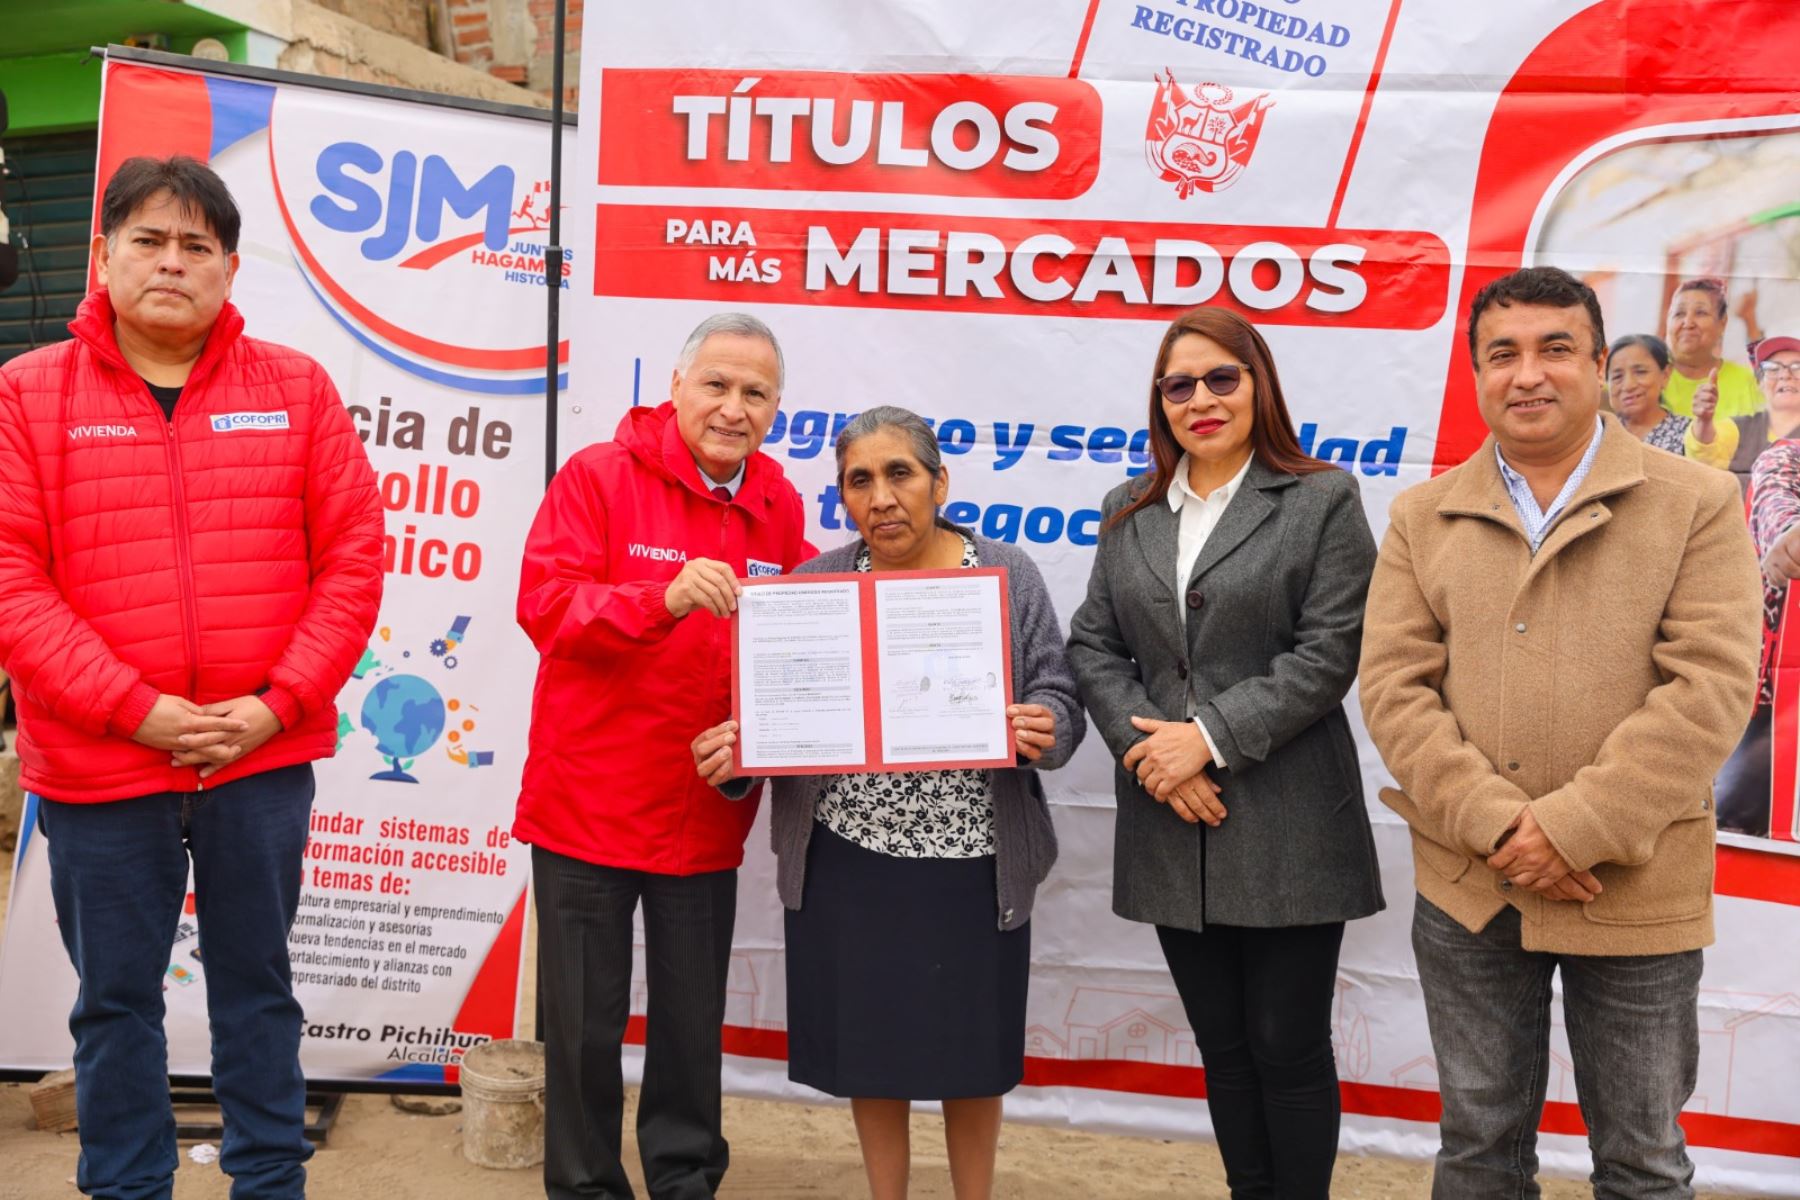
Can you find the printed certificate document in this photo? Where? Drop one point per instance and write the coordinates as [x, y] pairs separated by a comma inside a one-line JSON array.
[[890, 671], [797, 691]]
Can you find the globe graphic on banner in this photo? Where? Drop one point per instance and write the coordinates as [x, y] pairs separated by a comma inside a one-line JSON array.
[[406, 715]]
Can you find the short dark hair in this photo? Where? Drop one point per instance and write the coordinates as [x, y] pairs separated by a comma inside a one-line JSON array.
[[1544, 287], [193, 184], [1649, 343]]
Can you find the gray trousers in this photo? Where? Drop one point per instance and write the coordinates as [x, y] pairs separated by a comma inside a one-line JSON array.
[[1634, 1038]]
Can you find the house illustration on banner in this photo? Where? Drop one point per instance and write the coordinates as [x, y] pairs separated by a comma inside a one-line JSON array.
[[1760, 1038], [1043, 1042], [1419, 1073], [1128, 1027]]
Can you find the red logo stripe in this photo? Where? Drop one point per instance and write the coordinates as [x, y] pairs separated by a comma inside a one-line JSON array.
[[522, 359]]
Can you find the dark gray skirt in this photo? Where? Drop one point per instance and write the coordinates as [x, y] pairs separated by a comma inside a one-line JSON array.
[[900, 984]]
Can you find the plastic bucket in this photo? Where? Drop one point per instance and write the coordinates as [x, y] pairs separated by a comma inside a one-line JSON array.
[[503, 1104]]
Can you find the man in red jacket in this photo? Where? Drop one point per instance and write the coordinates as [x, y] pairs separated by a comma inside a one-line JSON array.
[[629, 579], [190, 565]]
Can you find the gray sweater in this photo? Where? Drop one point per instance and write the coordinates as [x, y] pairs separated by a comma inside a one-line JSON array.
[[1024, 839]]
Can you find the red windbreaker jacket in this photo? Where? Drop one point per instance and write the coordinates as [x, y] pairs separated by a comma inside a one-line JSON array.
[[623, 687], [235, 548]]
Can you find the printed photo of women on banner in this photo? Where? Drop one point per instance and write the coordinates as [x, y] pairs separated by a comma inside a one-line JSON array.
[[1691, 238]]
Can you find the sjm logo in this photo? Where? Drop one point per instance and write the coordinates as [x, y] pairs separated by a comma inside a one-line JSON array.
[[416, 195]]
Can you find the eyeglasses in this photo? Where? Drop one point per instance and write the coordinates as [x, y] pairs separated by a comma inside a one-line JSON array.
[[1222, 380], [1771, 369]]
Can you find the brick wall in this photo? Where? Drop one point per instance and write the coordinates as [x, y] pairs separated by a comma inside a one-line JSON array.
[[323, 41], [471, 32], [513, 40], [543, 14]]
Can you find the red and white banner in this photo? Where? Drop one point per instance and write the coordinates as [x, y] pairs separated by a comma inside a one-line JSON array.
[[989, 214], [400, 244]]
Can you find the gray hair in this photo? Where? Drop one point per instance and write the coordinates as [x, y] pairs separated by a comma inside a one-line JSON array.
[[889, 416], [738, 324]]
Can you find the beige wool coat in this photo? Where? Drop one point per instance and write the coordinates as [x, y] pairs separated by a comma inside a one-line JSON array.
[[1602, 681]]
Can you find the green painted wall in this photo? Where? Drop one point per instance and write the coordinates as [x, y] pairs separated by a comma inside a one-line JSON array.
[[50, 93], [48, 90], [46, 26]]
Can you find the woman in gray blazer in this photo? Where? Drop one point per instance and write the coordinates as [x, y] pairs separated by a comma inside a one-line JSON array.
[[1218, 639], [909, 895]]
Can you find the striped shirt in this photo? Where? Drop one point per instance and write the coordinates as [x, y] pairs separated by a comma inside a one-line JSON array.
[[1538, 521]]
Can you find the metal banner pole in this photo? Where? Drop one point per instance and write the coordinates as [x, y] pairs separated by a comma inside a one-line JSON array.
[[553, 282], [553, 253]]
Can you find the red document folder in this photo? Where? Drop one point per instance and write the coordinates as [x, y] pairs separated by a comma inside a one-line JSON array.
[[841, 760]]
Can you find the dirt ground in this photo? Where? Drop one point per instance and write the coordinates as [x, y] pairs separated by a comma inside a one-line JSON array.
[[778, 1150]]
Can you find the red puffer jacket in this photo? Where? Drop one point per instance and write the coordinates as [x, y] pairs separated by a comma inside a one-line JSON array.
[[237, 548], [623, 687]]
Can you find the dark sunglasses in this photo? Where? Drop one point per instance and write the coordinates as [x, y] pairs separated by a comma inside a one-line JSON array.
[[1220, 381]]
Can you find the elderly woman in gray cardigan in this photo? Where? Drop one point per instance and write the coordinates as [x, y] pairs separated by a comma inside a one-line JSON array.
[[909, 894]]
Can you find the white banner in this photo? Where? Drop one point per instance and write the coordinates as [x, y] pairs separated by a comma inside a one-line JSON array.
[[401, 244], [989, 214]]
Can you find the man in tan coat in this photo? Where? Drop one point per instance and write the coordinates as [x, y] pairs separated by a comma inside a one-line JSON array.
[[1559, 652]]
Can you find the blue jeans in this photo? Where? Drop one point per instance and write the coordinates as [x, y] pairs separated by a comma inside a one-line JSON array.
[[118, 874], [1634, 1039]]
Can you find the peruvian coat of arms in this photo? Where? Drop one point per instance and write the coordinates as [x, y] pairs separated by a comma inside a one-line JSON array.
[[1201, 141]]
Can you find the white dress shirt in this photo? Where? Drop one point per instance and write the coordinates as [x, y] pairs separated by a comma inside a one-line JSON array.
[[731, 485], [1199, 517], [1539, 521]]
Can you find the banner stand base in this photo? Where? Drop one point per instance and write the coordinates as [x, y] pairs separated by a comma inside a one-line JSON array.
[[205, 1127]]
